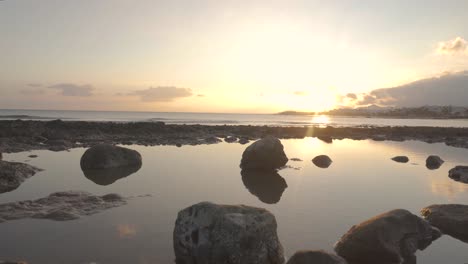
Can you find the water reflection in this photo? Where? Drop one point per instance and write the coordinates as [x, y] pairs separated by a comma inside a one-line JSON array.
[[267, 185], [109, 176], [126, 230]]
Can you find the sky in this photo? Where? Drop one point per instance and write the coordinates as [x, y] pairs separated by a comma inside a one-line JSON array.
[[230, 56]]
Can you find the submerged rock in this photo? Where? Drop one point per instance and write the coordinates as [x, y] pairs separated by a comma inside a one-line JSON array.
[[266, 153], [401, 159], [207, 233], [451, 219], [60, 206], [459, 173], [13, 174], [315, 257], [296, 159], [108, 156], [322, 161], [389, 238], [268, 186], [434, 162], [109, 176], [32, 156]]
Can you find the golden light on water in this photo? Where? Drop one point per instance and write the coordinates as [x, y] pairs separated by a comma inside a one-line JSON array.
[[321, 120]]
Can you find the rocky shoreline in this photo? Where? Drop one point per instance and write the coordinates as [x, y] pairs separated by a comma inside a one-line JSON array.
[[57, 135]]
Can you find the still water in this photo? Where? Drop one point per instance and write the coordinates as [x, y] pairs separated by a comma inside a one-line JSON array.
[[317, 207]]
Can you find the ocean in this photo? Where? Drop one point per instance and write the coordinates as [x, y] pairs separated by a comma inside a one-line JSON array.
[[224, 118]]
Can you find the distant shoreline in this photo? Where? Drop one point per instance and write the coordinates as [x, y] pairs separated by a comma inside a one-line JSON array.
[[371, 116], [18, 136]]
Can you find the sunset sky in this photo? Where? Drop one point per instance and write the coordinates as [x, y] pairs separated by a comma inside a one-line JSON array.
[[224, 56]]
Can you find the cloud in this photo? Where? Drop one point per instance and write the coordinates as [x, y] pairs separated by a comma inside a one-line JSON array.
[[162, 93], [300, 93], [200, 95], [447, 89], [351, 96], [69, 89], [32, 91], [454, 46]]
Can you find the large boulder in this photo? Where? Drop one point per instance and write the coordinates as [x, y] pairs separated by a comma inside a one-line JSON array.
[[266, 153], [434, 162], [207, 233], [267, 185], [459, 173], [451, 219], [108, 176], [322, 161], [390, 238], [13, 174], [315, 257], [108, 156], [401, 159]]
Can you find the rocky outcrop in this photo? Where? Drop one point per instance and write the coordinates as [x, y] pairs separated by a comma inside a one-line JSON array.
[[401, 159], [13, 174], [451, 219], [266, 153], [322, 161], [434, 162], [315, 257], [60, 206], [268, 186], [389, 238], [108, 156], [207, 233], [459, 173]]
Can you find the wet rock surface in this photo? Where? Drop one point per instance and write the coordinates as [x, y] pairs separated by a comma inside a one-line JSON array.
[[18, 135], [268, 186], [401, 159], [104, 156], [266, 153], [315, 257], [459, 173], [322, 161], [207, 233], [390, 238], [451, 219], [434, 162], [60, 206], [13, 174]]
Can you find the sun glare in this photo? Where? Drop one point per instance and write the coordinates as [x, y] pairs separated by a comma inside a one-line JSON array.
[[321, 120]]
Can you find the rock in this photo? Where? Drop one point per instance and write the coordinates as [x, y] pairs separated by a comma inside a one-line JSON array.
[[109, 176], [389, 238], [230, 139], [13, 262], [296, 159], [212, 140], [322, 161], [459, 173], [267, 185], [32, 156], [434, 162], [401, 159], [178, 145], [60, 206], [326, 139], [13, 174], [315, 257], [207, 233], [243, 141], [451, 219], [108, 156], [267, 153]]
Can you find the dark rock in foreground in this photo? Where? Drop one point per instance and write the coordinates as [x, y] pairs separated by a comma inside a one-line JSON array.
[[60, 206], [459, 173], [315, 257], [109, 176], [322, 161], [13, 174], [434, 162], [206, 233], [108, 156], [266, 153], [401, 159], [389, 238], [451, 219], [268, 186]]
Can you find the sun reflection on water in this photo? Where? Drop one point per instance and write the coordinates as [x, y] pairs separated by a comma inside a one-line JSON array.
[[321, 120]]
